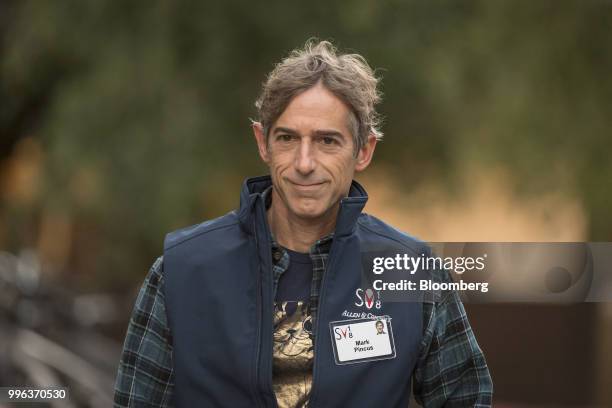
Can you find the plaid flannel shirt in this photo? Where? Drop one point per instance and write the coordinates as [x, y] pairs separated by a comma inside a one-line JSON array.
[[451, 370]]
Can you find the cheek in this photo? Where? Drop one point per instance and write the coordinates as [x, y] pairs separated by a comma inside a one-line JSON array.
[[342, 170], [279, 163]]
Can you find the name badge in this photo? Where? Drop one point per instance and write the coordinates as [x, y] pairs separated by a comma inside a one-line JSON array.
[[361, 340]]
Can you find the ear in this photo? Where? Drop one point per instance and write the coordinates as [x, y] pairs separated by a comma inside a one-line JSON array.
[[260, 138], [365, 154]]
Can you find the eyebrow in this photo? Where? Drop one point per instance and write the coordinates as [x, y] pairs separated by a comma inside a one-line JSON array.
[[320, 132], [328, 132], [284, 130]]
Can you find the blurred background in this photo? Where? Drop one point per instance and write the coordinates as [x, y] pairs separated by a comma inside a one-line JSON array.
[[122, 121]]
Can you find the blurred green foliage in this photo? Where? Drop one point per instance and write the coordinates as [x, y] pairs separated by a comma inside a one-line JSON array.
[[143, 107]]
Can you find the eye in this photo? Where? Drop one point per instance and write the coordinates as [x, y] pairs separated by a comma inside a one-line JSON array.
[[328, 140], [284, 138]]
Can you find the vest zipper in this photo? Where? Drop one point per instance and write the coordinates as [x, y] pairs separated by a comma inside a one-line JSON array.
[[318, 322], [266, 310], [258, 297]]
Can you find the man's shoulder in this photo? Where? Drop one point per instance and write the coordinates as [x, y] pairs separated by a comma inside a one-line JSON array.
[[376, 229], [208, 229]]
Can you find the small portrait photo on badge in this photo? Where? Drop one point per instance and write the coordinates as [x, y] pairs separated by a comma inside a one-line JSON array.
[[380, 327]]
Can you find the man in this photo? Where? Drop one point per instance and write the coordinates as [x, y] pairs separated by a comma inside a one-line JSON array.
[[249, 309], [380, 327]]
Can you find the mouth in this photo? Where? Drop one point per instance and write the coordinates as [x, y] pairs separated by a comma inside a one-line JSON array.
[[306, 186]]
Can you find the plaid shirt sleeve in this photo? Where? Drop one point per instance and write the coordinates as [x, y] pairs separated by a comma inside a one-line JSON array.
[[145, 376], [451, 370]]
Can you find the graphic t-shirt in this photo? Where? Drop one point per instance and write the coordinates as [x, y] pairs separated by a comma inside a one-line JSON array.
[[293, 343]]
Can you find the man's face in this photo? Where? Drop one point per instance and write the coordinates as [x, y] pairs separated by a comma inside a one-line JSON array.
[[311, 153], [379, 327]]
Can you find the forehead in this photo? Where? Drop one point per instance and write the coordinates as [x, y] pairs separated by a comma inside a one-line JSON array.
[[315, 108]]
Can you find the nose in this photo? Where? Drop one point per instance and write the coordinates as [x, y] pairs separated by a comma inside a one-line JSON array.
[[304, 161]]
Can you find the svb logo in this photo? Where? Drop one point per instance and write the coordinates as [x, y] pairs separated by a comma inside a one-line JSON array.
[[343, 333], [368, 298]]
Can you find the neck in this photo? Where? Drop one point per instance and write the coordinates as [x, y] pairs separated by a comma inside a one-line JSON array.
[[296, 233]]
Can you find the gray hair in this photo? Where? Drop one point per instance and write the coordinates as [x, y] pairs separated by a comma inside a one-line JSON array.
[[348, 76]]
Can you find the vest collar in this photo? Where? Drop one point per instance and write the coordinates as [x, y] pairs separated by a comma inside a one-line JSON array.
[[350, 206]]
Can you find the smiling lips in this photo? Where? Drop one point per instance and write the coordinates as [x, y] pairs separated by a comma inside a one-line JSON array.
[[307, 187]]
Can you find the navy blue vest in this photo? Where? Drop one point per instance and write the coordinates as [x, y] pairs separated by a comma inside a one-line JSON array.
[[218, 289]]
